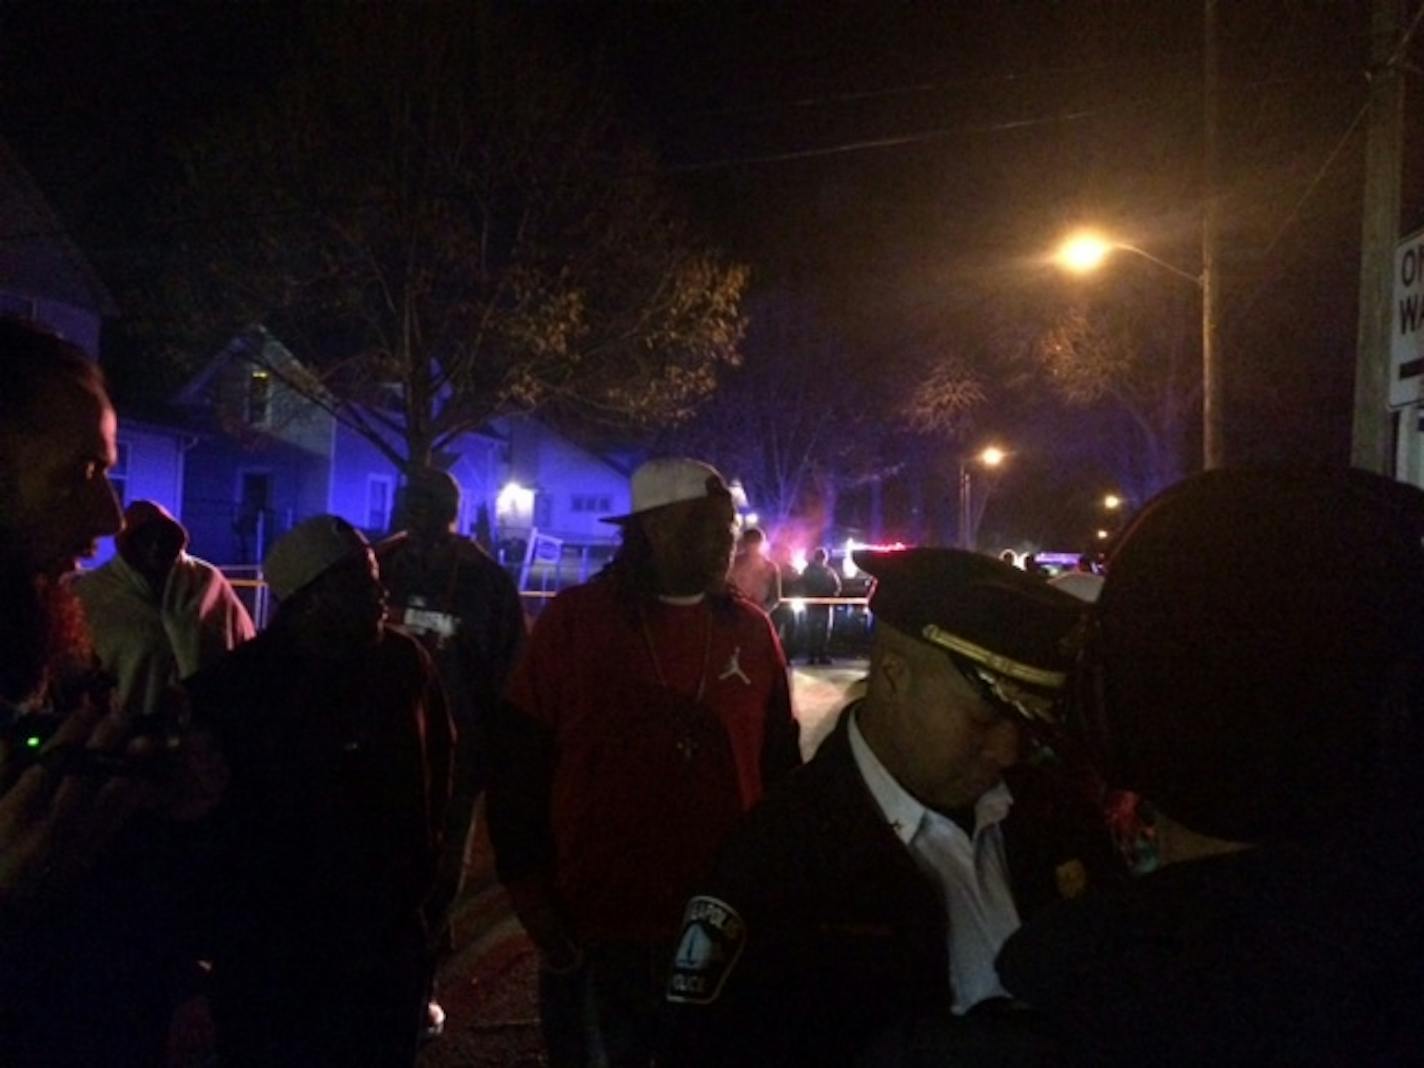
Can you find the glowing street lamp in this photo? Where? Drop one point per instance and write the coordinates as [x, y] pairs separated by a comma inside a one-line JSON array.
[[1083, 252], [1086, 251], [989, 457], [1112, 502]]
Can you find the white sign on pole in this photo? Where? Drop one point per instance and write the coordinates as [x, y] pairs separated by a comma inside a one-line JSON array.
[[1406, 347]]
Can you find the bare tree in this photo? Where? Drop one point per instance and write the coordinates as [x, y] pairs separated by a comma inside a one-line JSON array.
[[788, 420], [445, 223], [1140, 357]]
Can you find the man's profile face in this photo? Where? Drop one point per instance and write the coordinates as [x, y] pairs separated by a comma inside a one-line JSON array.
[[55, 496], [348, 601], [154, 547], [956, 743], [692, 543]]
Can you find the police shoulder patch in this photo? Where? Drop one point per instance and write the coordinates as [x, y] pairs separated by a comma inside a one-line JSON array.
[[712, 939]]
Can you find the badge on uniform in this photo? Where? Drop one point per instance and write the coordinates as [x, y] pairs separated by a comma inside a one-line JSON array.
[[713, 936], [1072, 879]]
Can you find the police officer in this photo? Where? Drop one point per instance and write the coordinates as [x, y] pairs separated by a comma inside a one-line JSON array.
[[869, 896]]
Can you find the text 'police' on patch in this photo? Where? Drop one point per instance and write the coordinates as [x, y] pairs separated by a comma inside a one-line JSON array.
[[712, 939]]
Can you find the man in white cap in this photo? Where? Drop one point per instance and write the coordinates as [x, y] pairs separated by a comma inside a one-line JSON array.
[[336, 734], [650, 710], [156, 614]]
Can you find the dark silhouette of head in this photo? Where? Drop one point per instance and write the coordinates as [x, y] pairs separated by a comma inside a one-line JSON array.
[[1258, 663]]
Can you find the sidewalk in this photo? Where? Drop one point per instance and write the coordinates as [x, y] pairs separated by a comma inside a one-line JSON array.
[[489, 987]]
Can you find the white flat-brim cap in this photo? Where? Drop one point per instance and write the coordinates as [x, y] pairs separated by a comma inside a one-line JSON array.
[[671, 480], [309, 550]]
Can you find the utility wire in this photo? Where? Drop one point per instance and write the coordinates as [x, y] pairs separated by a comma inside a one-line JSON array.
[[884, 142], [1293, 215], [1398, 56], [707, 165], [723, 163], [915, 88]]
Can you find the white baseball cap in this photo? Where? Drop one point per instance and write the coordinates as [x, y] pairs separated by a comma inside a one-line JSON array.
[[671, 480], [309, 550]]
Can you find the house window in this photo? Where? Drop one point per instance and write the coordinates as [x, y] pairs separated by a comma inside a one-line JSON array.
[[543, 510], [592, 502], [378, 502], [259, 398], [119, 473], [253, 520]]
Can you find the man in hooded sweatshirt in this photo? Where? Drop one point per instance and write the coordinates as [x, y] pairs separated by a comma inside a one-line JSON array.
[[156, 614]]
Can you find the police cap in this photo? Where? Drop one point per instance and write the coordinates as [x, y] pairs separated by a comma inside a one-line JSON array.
[[1005, 629]]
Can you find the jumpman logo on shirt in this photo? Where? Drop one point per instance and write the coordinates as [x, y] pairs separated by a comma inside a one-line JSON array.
[[734, 667]]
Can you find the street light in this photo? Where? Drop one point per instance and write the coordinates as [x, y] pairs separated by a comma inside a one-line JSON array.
[[1086, 251], [989, 457], [1112, 502]]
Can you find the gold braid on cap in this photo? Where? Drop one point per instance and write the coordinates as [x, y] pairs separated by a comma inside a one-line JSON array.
[[1001, 665], [1034, 707]]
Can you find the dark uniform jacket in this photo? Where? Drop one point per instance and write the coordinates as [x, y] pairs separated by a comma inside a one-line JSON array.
[[818, 932], [1295, 953]]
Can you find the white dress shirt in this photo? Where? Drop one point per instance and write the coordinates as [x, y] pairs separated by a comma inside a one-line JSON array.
[[971, 872]]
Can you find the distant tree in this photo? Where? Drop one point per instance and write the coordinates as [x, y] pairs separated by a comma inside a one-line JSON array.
[[445, 223], [946, 398], [780, 421], [1136, 360]]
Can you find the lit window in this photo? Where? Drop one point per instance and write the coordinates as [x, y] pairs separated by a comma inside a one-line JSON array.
[[259, 398], [378, 503], [586, 502]]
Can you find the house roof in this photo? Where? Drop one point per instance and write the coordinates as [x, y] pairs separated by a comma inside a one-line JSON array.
[[37, 256], [242, 345], [274, 353]]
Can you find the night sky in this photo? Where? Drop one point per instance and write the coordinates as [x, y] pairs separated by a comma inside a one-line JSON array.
[[896, 164]]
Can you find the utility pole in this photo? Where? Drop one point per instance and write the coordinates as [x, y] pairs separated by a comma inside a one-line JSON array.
[[1371, 440], [966, 501], [1213, 384]]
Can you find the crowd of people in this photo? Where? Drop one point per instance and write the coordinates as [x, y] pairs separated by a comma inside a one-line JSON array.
[[778, 587], [280, 820]]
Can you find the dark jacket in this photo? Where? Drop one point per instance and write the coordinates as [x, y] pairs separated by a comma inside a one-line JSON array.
[[1290, 954], [833, 934], [464, 608], [324, 847]]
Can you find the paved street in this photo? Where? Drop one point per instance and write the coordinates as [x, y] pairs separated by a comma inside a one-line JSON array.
[[489, 988]]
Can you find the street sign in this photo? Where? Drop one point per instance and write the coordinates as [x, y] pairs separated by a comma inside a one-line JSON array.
[[1406, 346]]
